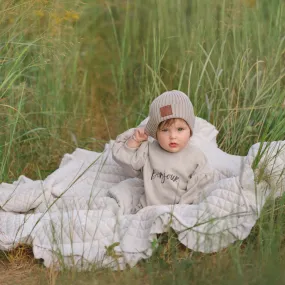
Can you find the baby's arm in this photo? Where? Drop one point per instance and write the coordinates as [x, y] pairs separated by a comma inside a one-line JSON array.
[[130, 151], [198, 181]]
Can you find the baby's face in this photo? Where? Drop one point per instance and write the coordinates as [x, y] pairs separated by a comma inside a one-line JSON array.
[[175, 137]]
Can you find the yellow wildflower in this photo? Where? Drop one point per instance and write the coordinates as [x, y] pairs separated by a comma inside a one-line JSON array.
[[57, 18], [71, 16]]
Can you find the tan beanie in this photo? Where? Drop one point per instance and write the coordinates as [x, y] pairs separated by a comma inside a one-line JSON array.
[[170, 104]]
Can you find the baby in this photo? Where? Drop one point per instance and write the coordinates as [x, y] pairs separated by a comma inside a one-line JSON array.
[[173, 170]]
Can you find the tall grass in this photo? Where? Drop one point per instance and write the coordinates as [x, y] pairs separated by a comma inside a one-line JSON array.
[[75, 74]]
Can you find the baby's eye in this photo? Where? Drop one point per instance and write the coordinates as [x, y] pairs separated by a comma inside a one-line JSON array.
[[180, 129], [164, 130]]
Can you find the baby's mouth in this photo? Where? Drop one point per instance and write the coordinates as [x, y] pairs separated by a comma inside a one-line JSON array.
[[173, 144]]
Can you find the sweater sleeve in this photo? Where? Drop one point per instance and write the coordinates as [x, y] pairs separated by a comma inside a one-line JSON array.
[[131, 159], [202, 176]]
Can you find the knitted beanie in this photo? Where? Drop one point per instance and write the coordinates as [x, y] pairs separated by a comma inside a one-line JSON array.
[[170, 104]]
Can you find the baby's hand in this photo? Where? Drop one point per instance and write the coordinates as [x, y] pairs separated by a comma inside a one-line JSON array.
[[137, 138], [140, 135]]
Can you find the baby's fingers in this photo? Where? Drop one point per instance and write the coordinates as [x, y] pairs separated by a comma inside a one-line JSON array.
[[140, 133]]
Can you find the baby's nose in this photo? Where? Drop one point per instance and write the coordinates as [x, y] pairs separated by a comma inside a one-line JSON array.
[[172, 135]]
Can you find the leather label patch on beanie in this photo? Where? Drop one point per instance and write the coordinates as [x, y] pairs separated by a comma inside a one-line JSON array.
[[166, 111]]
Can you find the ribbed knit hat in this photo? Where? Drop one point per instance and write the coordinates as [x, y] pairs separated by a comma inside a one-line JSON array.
[[170, 104]]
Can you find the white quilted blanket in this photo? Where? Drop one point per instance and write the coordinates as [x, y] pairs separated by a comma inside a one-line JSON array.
[[75, 218]]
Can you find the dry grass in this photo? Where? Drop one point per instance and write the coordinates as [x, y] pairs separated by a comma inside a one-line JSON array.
[[19, 267]]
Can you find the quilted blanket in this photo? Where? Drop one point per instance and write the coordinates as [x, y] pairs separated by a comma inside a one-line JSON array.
[[76, 217]]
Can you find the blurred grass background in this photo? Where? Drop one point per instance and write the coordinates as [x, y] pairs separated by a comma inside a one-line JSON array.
[[77, 73]]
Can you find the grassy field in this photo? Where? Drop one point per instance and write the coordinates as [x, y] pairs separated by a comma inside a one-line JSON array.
[[77, 73]]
